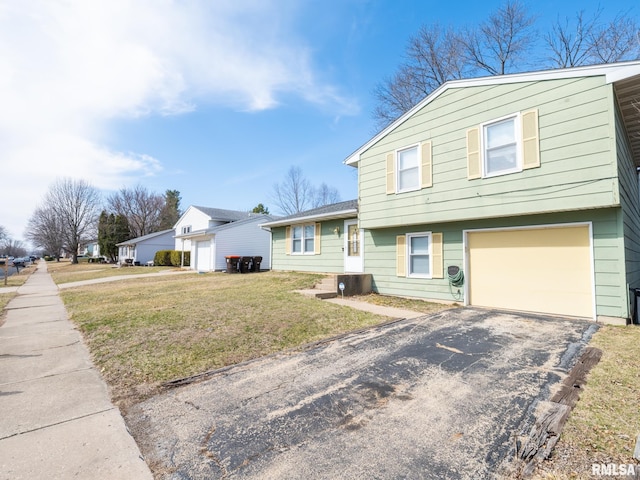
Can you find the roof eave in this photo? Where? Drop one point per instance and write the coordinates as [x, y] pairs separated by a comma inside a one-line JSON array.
[[352, 212], [612, 73]]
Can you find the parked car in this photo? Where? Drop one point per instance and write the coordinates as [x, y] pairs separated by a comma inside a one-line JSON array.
[[21, 261]]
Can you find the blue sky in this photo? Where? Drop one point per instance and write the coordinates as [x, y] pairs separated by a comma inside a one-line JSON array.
[[214, 98]]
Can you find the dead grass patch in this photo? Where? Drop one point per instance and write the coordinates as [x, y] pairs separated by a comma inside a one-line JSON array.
[[150, 330], [414, 304], [605, 423], [5, 298], [17, 279], [64, 271]]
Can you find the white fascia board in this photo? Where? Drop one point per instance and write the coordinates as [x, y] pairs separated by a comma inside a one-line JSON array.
[[613, 72], [194, 234], [326, 216]]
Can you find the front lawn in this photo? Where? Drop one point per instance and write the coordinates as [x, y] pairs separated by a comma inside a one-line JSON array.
[[64, 271], [146, 331]]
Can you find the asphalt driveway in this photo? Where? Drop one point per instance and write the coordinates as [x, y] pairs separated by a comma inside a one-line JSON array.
[[437, 397]]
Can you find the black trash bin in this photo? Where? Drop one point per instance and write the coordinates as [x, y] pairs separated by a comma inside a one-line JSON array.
[[255, 265], [232, 263], [245, 264], [635, 319]]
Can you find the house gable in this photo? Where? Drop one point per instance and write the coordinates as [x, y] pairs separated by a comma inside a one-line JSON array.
[[566, 164], [196, 219]]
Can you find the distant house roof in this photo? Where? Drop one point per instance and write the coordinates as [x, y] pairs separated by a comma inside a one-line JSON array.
[[333, 211], [253, 217], [625, 76], [135, 241], [221, 214]]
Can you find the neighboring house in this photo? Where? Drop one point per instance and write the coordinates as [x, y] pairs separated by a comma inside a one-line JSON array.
[[202, 218], [325, 239], [143, 249], [90, 249], [210, 246], [527, 183]]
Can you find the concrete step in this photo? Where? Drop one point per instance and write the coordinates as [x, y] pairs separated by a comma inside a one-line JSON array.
[[328, 283], [317, 293], [324, 294]]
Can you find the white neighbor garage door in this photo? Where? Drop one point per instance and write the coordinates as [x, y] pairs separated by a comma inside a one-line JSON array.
[[203, 256], [546, 270]]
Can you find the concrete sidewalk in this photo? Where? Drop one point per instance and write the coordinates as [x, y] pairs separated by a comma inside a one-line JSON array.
[[57, 419]]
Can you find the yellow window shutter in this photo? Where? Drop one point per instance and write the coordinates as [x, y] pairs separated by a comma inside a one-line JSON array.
[[427, 171], [318, 236], [391, 173], [473, 153], [287, 241], [401, 256], [530, 140], [436, 254]]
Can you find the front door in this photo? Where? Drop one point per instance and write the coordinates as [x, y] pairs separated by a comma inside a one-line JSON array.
[[353, 258]]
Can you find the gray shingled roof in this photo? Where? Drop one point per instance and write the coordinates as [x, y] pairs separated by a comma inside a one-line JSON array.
[[221, 214], [335, 210], [134, 241]]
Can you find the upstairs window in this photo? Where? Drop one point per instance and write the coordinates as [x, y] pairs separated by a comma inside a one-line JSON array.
[[501, 147], [408, 169], [186, 229]]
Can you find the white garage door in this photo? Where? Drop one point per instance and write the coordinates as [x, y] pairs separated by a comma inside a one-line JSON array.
[[546, 270], [203, 256]]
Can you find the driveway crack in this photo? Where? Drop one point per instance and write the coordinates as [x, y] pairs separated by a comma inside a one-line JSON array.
[[204, 449]]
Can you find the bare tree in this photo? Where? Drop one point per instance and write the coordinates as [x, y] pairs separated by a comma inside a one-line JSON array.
[[294, 194], [75, 204], [570, 46], [142, 209], [616, 41], [3, 234], [14, 248], [501, 42], [438, 54], [325, 195], [433, 57], [44, 230], [589, 42]]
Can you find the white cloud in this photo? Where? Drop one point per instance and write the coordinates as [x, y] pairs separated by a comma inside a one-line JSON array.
[[68, 69]]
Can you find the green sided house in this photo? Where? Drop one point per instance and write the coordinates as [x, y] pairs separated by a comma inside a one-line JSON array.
[[525, 185], [326, 239]]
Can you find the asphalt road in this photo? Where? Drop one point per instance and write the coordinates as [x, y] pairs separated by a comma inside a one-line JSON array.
[[439, 397]]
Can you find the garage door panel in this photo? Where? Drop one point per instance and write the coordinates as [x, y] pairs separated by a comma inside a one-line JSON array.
[[541, 270], [203, 256]]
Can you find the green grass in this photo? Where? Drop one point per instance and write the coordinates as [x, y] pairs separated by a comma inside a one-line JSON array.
[[145, 331]]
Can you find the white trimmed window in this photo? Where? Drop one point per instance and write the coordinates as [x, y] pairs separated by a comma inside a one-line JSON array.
[[186, 229], [419, 256], [303, 239], [408, 168], [505, 145], [501, 147]]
